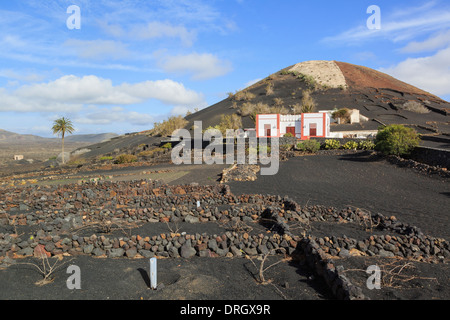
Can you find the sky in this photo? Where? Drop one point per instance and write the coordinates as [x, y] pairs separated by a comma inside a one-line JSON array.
[[120, 66]]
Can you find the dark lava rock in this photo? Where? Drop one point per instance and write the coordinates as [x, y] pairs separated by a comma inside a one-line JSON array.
[[187, 251], [115, 253]]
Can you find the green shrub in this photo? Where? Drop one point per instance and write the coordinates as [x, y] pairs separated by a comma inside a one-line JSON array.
[[331, 144], [126, 158], [286, 147], [309, 146], [168, 145], [396, 140], [106, 158], [351, 145], [288, 135], [366, 145]]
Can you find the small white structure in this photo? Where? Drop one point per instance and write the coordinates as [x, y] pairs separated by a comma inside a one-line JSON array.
[[356, 134], [303, 126], [18, 157], [354, 116]]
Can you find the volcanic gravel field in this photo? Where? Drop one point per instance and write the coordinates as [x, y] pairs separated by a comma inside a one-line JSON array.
[[316, 226]]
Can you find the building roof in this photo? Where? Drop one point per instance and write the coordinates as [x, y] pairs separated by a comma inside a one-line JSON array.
[[362, 126]]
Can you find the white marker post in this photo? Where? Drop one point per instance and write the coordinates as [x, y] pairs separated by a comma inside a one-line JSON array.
[[153, 266]]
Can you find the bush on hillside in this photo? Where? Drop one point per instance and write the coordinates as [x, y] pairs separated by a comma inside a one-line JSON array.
[[230, 122], [308, 102], [396, 140], [415, 106], [244, 95], [167, 127], [126, 158], [252, 109]]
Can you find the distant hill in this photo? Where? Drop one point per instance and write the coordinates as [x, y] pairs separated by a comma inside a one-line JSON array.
[[91, 138], [7, 137], [11, 137]]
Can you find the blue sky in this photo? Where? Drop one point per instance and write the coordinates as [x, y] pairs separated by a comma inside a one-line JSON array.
[[136, 62]]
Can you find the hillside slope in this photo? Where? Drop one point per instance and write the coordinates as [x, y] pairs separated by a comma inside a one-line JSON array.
[[8, 137], [336, 85]]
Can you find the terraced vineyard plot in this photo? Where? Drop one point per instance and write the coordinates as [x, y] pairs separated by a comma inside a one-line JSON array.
[[144, 219]]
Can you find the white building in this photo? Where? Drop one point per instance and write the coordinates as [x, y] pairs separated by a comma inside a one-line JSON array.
[[303, 126]]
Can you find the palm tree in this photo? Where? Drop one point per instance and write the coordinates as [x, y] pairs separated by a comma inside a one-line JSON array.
[[62, 126]]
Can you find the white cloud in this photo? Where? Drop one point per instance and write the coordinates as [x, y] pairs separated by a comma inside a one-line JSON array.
[[98, 49], [26, 76], [150, 31], [114, 30], [430, 73], [398, 27], [106, 116], [156, 29], [201, 66], [438, 41], [70, 93], [167, 91]]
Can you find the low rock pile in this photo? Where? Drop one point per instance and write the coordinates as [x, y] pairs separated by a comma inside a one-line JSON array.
[[418, 166], [240, 172]]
